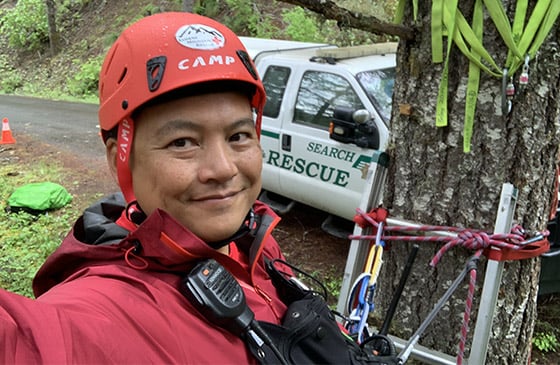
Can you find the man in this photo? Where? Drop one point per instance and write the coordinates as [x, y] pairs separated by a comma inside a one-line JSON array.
[[177, 94]]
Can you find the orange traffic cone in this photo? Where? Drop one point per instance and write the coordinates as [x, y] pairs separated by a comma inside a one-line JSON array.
[[7, 137]]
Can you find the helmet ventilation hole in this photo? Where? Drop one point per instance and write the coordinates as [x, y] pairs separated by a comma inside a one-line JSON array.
[[123, 74], [246, 59], [155, 68]]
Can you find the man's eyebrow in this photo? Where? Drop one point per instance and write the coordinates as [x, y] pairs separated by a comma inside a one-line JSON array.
[[242, 123], [176, 125]]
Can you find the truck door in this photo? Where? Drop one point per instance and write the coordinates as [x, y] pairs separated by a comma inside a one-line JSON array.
[[317, 170], [275, 80]]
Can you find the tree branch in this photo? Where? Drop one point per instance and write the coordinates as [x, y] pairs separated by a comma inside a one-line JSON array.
[[346, 18]]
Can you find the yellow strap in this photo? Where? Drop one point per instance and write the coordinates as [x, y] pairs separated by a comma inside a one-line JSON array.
[[466, 34], [449, 17], [399, 12], [548, 22], [474, 79], [498, 14], [437, 31], [519, 40], [538, 27], [517, 28]]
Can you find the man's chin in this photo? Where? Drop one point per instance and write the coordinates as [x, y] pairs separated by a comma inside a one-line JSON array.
[[216, 227], [213, 234]]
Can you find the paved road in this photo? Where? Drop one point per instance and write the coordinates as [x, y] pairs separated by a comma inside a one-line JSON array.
[[71, 126]]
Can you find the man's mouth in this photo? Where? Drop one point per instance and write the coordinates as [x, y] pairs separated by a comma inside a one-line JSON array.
[[217, 196]]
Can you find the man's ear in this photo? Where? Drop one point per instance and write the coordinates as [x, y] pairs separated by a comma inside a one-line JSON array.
[[111, 152]]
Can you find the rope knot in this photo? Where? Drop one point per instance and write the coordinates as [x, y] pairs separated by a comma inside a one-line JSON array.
[[373, 218], [473, 240]]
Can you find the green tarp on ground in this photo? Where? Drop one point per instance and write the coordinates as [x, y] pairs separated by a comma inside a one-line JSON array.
[[38, 197]]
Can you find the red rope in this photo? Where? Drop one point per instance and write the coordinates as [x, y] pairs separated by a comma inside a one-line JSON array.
[[468, 238], [468, 310]]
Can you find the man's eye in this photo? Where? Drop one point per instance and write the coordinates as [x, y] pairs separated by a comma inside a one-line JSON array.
[[181, 143], [239, 137]]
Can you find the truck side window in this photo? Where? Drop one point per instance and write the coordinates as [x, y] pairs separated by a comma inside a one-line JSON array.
[[275, 80], [319, 94], [378, 85]]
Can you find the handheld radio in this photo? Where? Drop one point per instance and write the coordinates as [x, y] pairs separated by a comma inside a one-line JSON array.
[[215, 293]]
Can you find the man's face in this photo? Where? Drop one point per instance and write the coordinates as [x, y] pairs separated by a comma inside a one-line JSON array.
[[199, 159]]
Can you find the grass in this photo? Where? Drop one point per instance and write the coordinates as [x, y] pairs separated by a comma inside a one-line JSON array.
[[26, 240]]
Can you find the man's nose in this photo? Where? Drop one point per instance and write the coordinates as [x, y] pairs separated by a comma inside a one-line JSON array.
[[219, 163]]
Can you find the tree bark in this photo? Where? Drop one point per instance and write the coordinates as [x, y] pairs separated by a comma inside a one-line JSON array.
[[54, 36], [188, 5], [432, 181]]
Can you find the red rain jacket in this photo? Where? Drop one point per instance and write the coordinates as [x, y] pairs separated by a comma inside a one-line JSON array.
[[117, 300]]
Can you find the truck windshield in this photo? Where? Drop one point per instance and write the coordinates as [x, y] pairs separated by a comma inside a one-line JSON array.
[[378, 85]]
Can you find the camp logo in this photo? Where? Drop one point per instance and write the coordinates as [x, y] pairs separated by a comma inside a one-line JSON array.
[[199, 36]]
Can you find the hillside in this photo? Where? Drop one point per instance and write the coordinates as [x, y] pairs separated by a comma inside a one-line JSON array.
[[88, 27], [88, 32]]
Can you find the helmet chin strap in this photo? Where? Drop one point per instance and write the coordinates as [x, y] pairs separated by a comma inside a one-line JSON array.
[[133, 214], [249, 224], [124, 147]]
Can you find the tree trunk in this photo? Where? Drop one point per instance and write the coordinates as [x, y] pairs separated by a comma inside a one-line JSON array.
[[432, 181], [188, 5], [54, 36]]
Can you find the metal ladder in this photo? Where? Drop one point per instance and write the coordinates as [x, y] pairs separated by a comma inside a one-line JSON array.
[[372, 198]]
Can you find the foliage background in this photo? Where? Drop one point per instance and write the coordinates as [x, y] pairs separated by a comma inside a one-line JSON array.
[[28, 67]]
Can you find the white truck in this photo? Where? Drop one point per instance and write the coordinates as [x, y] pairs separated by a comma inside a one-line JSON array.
[[326, 115]]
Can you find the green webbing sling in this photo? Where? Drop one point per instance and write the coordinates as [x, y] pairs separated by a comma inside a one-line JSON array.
[[522, 44]]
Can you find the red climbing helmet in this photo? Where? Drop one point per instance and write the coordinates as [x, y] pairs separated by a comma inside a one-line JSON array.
[[162, 53]]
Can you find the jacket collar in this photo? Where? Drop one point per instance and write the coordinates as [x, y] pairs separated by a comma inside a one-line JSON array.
[[160, 243], [162, 240]]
